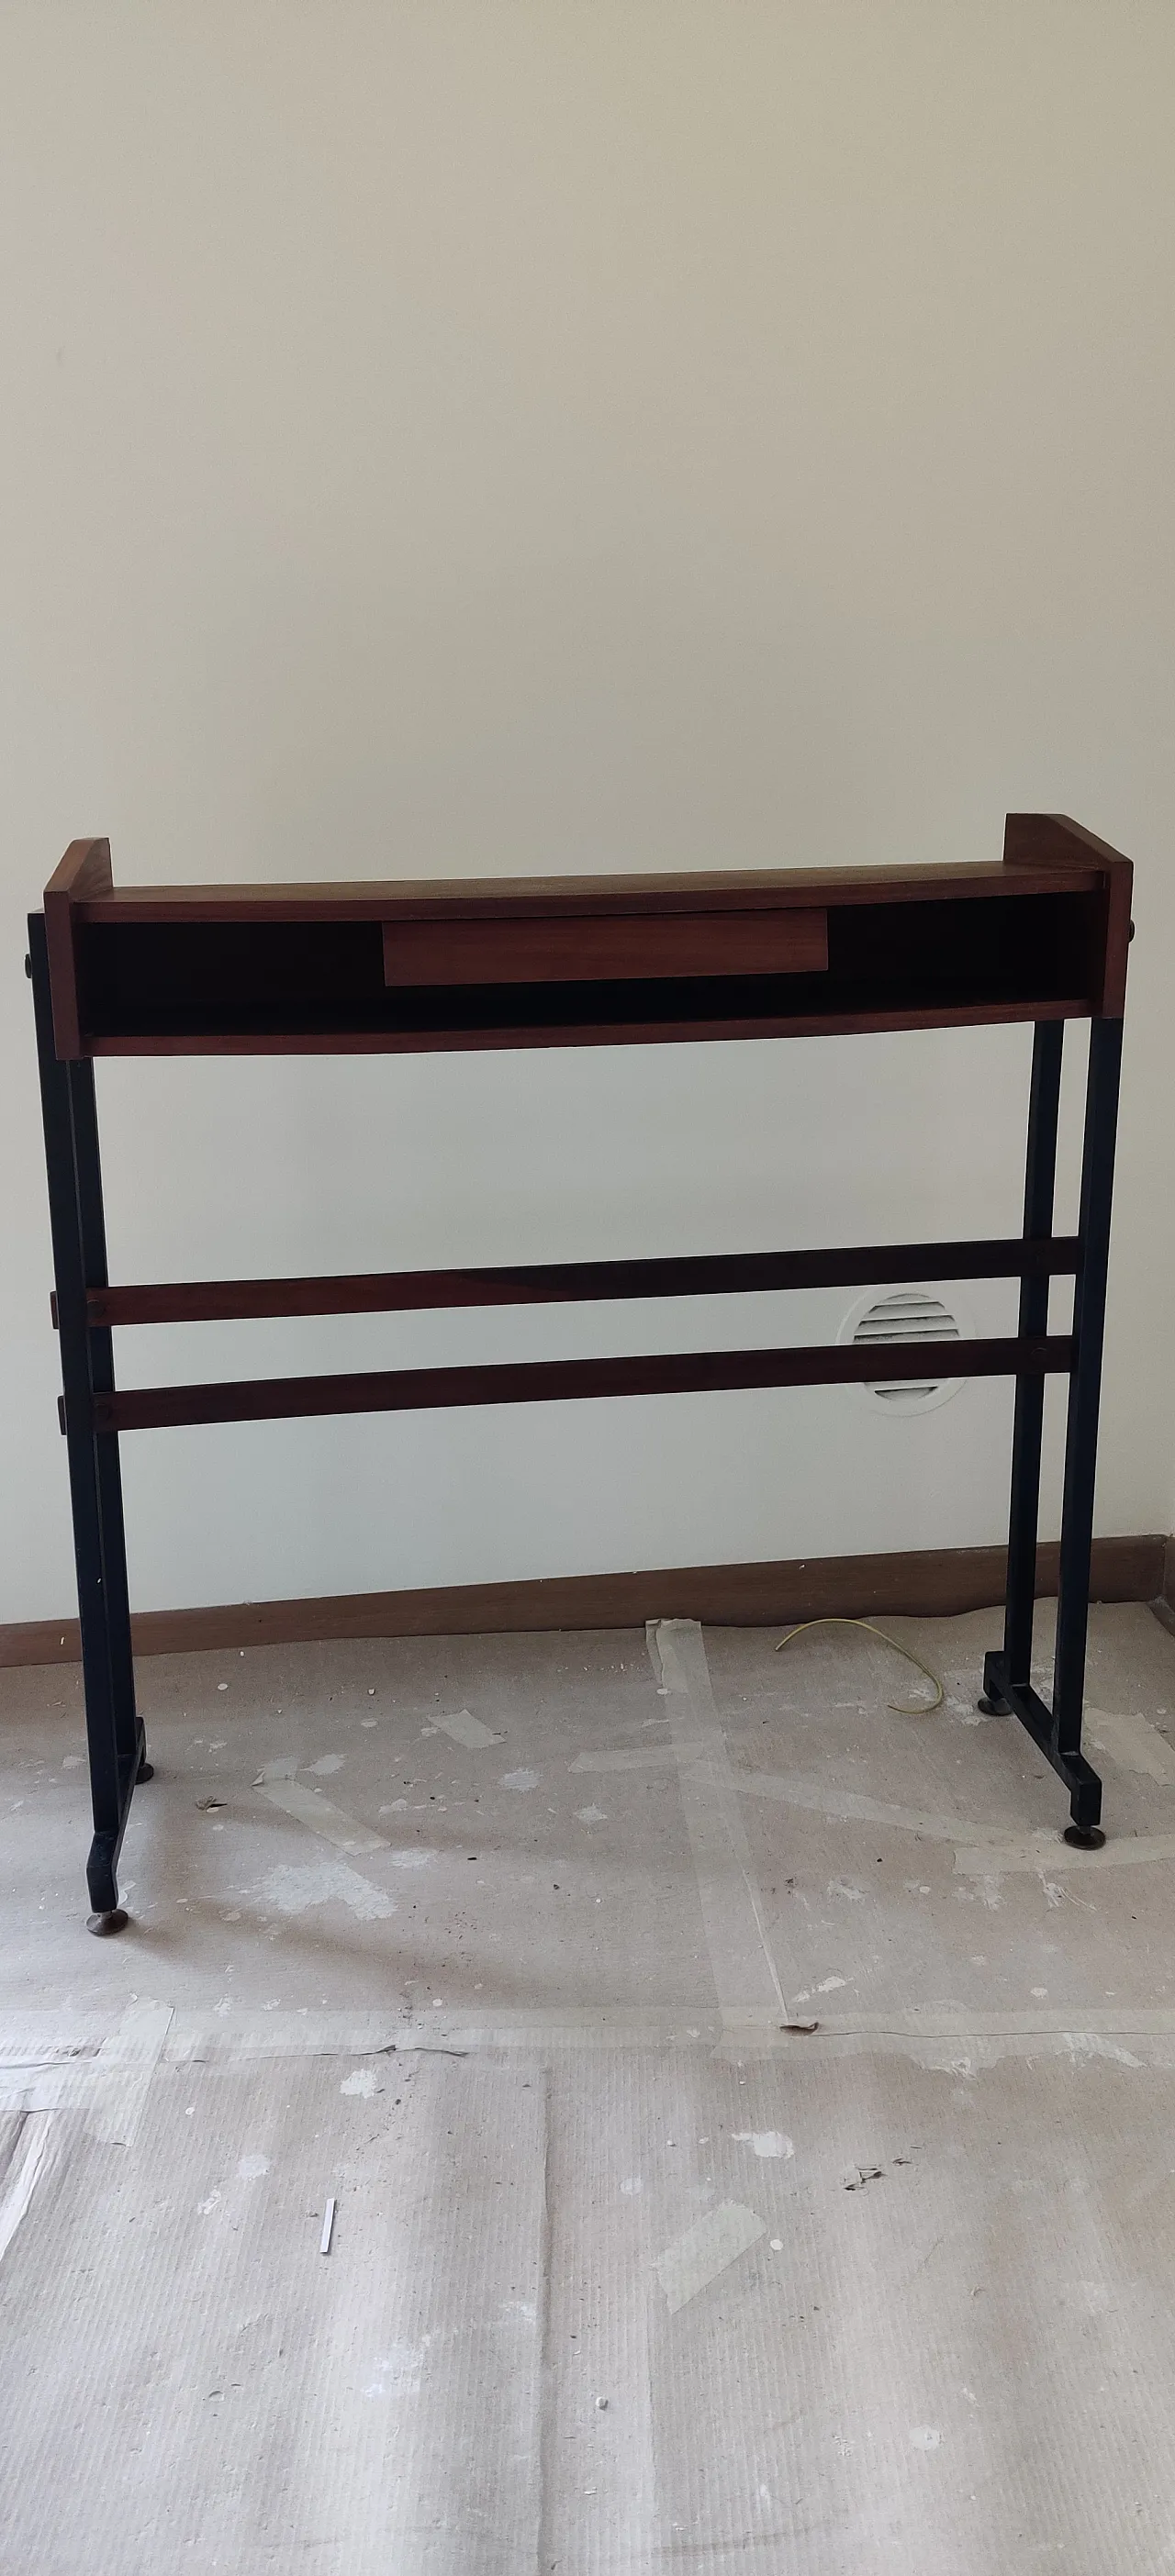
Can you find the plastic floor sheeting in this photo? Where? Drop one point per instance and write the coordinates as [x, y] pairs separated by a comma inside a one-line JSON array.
[[751, 2129]]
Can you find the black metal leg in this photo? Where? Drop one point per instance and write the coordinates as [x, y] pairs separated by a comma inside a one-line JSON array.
[[1024, 1514], [1007, 1675], [1089, 1315], [1015, 1663], [114, 1734]]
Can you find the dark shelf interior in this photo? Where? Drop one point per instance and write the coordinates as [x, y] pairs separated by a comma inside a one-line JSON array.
[[229, 979]]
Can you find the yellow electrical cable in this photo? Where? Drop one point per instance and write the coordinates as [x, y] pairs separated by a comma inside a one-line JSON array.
[[901, 1708]]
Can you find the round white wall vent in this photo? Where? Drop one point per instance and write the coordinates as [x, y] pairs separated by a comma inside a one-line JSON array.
[[906, 1315]]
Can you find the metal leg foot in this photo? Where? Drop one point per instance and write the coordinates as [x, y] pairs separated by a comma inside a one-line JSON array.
[[1084, 1837], [991, 1699], [146, 1770], [103, 1924]]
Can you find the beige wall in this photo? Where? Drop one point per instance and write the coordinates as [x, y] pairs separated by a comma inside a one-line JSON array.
[[544, 437]]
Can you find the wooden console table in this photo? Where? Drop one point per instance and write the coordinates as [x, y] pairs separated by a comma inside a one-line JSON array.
[[590, 961]]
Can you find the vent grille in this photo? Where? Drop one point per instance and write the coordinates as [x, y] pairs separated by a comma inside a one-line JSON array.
[[908, 1315]]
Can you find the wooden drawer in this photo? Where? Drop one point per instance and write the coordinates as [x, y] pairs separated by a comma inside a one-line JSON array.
[[599, 949]]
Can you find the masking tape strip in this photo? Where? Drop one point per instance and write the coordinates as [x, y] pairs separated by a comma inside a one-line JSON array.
[[32, 2157], [109, 2082], [706, 2250], [1132, 1742], [847, 1805], [196, 2037], [332, 1823], [639, 1757], [1047, 1853], [741, 1955]]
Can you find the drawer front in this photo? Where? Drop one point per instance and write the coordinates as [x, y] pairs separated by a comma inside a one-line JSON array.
[[589, 949]]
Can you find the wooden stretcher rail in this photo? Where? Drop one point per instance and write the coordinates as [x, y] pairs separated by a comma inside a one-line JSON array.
[[551, 1283], [156, 1408]]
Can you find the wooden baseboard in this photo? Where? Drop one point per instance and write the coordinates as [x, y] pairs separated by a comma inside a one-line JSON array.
[[929, 1583]]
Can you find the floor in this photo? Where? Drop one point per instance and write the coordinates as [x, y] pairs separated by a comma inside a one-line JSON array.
[[751, 2129]]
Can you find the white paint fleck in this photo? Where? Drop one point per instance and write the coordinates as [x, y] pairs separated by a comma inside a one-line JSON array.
[[413, 1857], [766, 2142], [326, 1882], [72, 1762], [222, 1685], [1091, 2043], [206, 2207], [225, 2005], [828, 1985], [844, 1887], [252, 2167], [924, 2437], [363, 2083], [591, 1816], [1092, 2297], [632, 2185], [394, 1807], [398, 2373], [521, 1780], [1040, 1994], [777, 2244], [326, 1763]]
